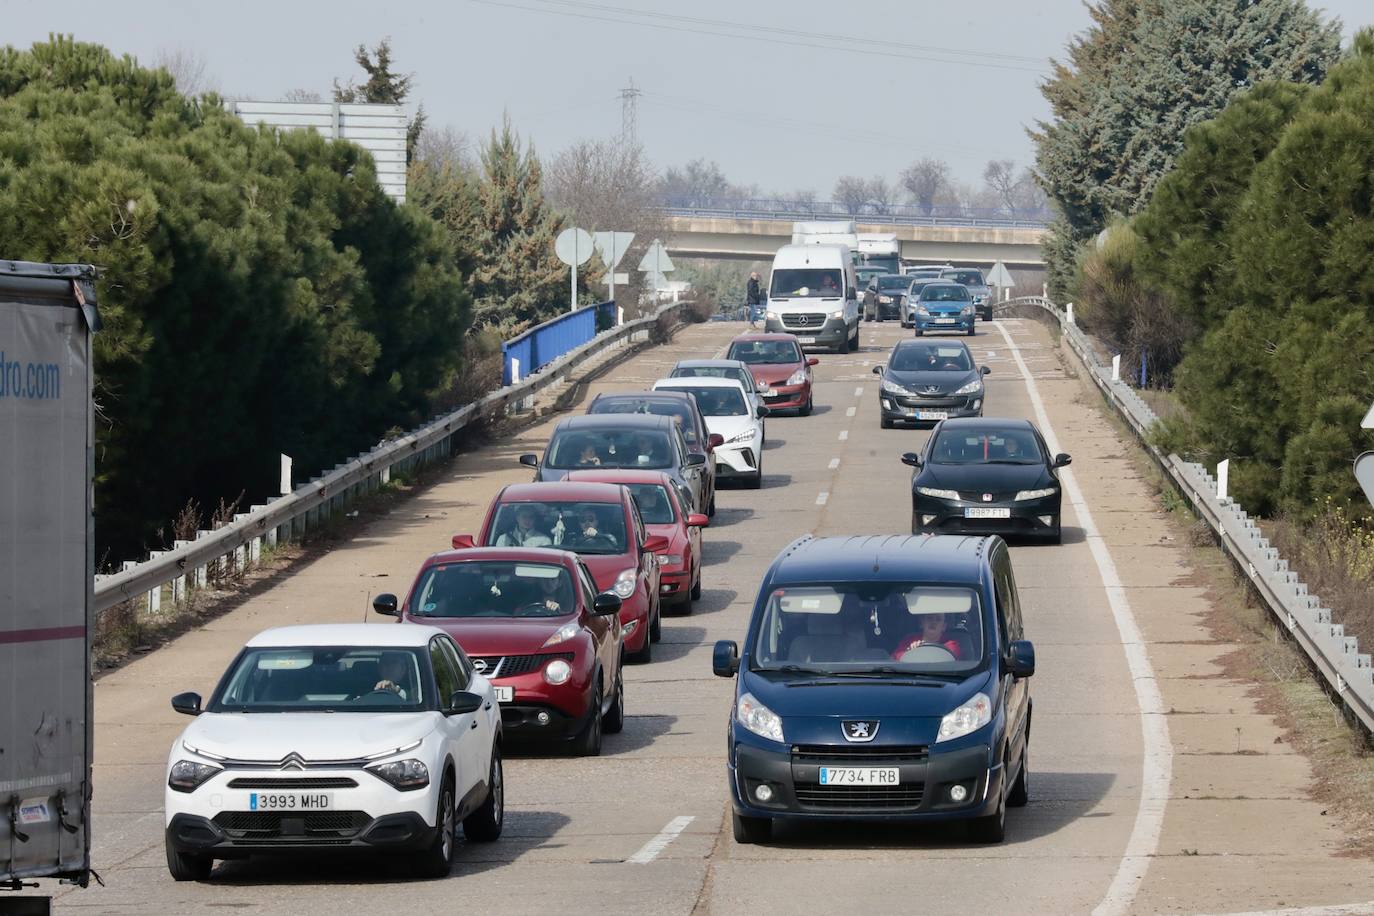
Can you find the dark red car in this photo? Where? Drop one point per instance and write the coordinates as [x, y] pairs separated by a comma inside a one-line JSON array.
[[780, 369], [663, 506], [601, 524], [533, 623]]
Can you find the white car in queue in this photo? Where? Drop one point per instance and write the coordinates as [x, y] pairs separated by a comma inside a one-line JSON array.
[[337, 736], [729, 411]]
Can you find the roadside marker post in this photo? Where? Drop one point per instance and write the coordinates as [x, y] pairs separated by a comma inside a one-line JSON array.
[[1224, 481], [1116, 368]]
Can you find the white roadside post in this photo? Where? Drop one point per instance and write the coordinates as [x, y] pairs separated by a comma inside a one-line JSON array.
[[1116, 368], [285, 475], [1224, 482], [1069, 309]]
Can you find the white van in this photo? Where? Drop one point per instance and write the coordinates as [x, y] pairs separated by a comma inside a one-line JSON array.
[[812, 294]]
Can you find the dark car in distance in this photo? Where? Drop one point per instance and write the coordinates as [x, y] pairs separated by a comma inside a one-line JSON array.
[[885, 297], [986, 476], [883, 678], [978, 288], [681, 407], [926, 381]]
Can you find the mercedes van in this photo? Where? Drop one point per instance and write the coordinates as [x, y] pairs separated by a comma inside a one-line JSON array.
[[812, 294]]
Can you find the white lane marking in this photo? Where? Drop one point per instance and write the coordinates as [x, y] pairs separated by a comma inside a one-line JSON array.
[[823, 498], [844, 434], [859, 392], [834, 463], [1157, 765], [1339, 909], [850, 411], [650, 850]]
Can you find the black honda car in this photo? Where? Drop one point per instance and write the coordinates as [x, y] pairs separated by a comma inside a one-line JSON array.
[[926, 381], [986, 476]]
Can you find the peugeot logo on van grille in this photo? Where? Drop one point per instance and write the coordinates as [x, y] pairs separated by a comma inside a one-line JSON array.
[[860, 731]]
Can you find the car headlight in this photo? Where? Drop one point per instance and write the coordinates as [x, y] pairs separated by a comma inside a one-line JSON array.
[[797, 378], [838, 313], [968, 718], [407, 775], [187, 775], [772, 315], [557, 672], [748, 435], [758, 718], [972, 387], [625, 583], [564, 633], [885, 300], [979, 300], [936, 493], [966, 310], [922, 310], [670, 559], [1036, 494], [895, 387]]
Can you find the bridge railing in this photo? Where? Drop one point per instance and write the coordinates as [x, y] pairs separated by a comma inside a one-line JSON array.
[[542, 344], [1347, 671], [228, 551], [758, 208]]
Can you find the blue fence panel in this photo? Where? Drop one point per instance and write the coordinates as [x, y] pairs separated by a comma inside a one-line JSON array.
[[544, 343]]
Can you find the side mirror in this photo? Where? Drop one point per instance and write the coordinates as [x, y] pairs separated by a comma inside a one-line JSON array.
[[913, 459], [695, 461], [606, 604], [1021, 658], [984, 370], [463, 541], [878, 369], [464, 701], [530, 461], [1062, 460], [813, 361], [715, 440], [385, 604], [697, 520], [725, 658], [656, 543], [761, 412], [188, 704]]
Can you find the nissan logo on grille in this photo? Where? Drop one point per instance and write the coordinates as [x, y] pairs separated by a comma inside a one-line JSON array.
[[480, 664], [860, 731]]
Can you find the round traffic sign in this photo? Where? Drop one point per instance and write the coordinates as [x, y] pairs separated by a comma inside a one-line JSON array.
[[573, 246]]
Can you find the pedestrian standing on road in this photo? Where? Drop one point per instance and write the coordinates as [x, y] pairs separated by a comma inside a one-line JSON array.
[[753, 298]]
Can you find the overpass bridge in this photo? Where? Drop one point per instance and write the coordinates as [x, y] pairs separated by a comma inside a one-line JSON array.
[[754, 230]]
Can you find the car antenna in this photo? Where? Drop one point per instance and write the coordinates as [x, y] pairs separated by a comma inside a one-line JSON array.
[[366, 603]]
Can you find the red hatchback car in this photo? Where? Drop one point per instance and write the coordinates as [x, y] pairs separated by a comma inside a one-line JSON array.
[[780, 369], [532, 623], [602, 525], [663, 506]]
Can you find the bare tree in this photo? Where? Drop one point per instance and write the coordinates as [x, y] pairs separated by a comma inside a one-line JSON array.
[[924, 179], [881, 194], [187, 68], [1029, 194], [445, 147], [302, 95], [851, 192], [1000, 177]]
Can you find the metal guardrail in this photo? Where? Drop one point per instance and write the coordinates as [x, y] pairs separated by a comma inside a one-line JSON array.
[[531, 351], [239, 544], [1346, 670], [895, 214]]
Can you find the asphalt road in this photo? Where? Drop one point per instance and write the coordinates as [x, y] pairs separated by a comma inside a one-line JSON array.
[[1157, 786]]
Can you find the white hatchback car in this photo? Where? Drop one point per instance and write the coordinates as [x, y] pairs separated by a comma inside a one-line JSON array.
[[728, 410], [337, 736]]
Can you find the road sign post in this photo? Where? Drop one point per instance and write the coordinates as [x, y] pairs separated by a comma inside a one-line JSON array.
[[573, 247], [656, 263], [612, 247]]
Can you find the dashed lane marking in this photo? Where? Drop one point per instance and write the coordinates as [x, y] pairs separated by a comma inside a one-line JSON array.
[[651, 850], [823, 498], [834, 463], [850, 411], [844, 434], [859, 392]]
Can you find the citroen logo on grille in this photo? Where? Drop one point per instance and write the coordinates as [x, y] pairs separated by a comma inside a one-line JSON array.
[[293, 761]]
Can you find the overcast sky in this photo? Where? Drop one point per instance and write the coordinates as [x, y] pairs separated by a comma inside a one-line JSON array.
[[784, 94]]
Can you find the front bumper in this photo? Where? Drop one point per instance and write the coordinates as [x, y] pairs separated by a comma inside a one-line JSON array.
[[926, 777], [894, 309], [674, 585], [906, 408], [1029, 518], [811, 329], [931, 323], [786, 397], [737, 460]]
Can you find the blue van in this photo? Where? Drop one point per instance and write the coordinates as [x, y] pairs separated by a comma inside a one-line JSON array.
[[882, 678]]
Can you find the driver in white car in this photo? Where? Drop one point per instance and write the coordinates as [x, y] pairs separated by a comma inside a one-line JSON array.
[[393, 673]]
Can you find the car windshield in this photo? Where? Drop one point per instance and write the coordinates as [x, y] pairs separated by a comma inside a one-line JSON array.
[[966, 277], [807, 283], [489, 589], [719, 402], [916, 287], [944, 292], [930, 358], [738, 373], [893, 282], [325, 679], [928, 273], [866, 275], [759, 352], [583, 527], [653, 406], [610, 448], [870, 626], [986, 446], [654, 505]]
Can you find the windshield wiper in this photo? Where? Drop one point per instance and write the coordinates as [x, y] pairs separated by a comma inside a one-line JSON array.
[[1006, 461], [796, 669], [882, 671]]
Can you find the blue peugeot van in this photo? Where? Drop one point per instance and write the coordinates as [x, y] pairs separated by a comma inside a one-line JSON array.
[[882, 678]]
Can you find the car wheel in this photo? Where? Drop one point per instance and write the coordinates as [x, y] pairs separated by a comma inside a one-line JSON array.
[[437, 860], [867, 317], [696, 589], [644, 655], [656, 623], [919, 332], [614, 722], [187, 866], [751, 830], [806, 410], [887, 424], [993, 827], [843, 346], [756, 482], [711, 507], [1057, 536], [588, 741], [484, 824], [1020, 790]]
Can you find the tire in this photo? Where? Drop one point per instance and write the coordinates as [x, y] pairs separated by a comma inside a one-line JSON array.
[[806, 411], [756, 482], [484, 825], [656, 624], [1020, 790], [866, 316], [696, 592], [919, 332], [970, 332], [711, 507], [614, 721], [436, 861], [588, 741], [887, 424], [987, 315], [842, 348], [644, 655], [993, 827], [187, 866], [750, 830]]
